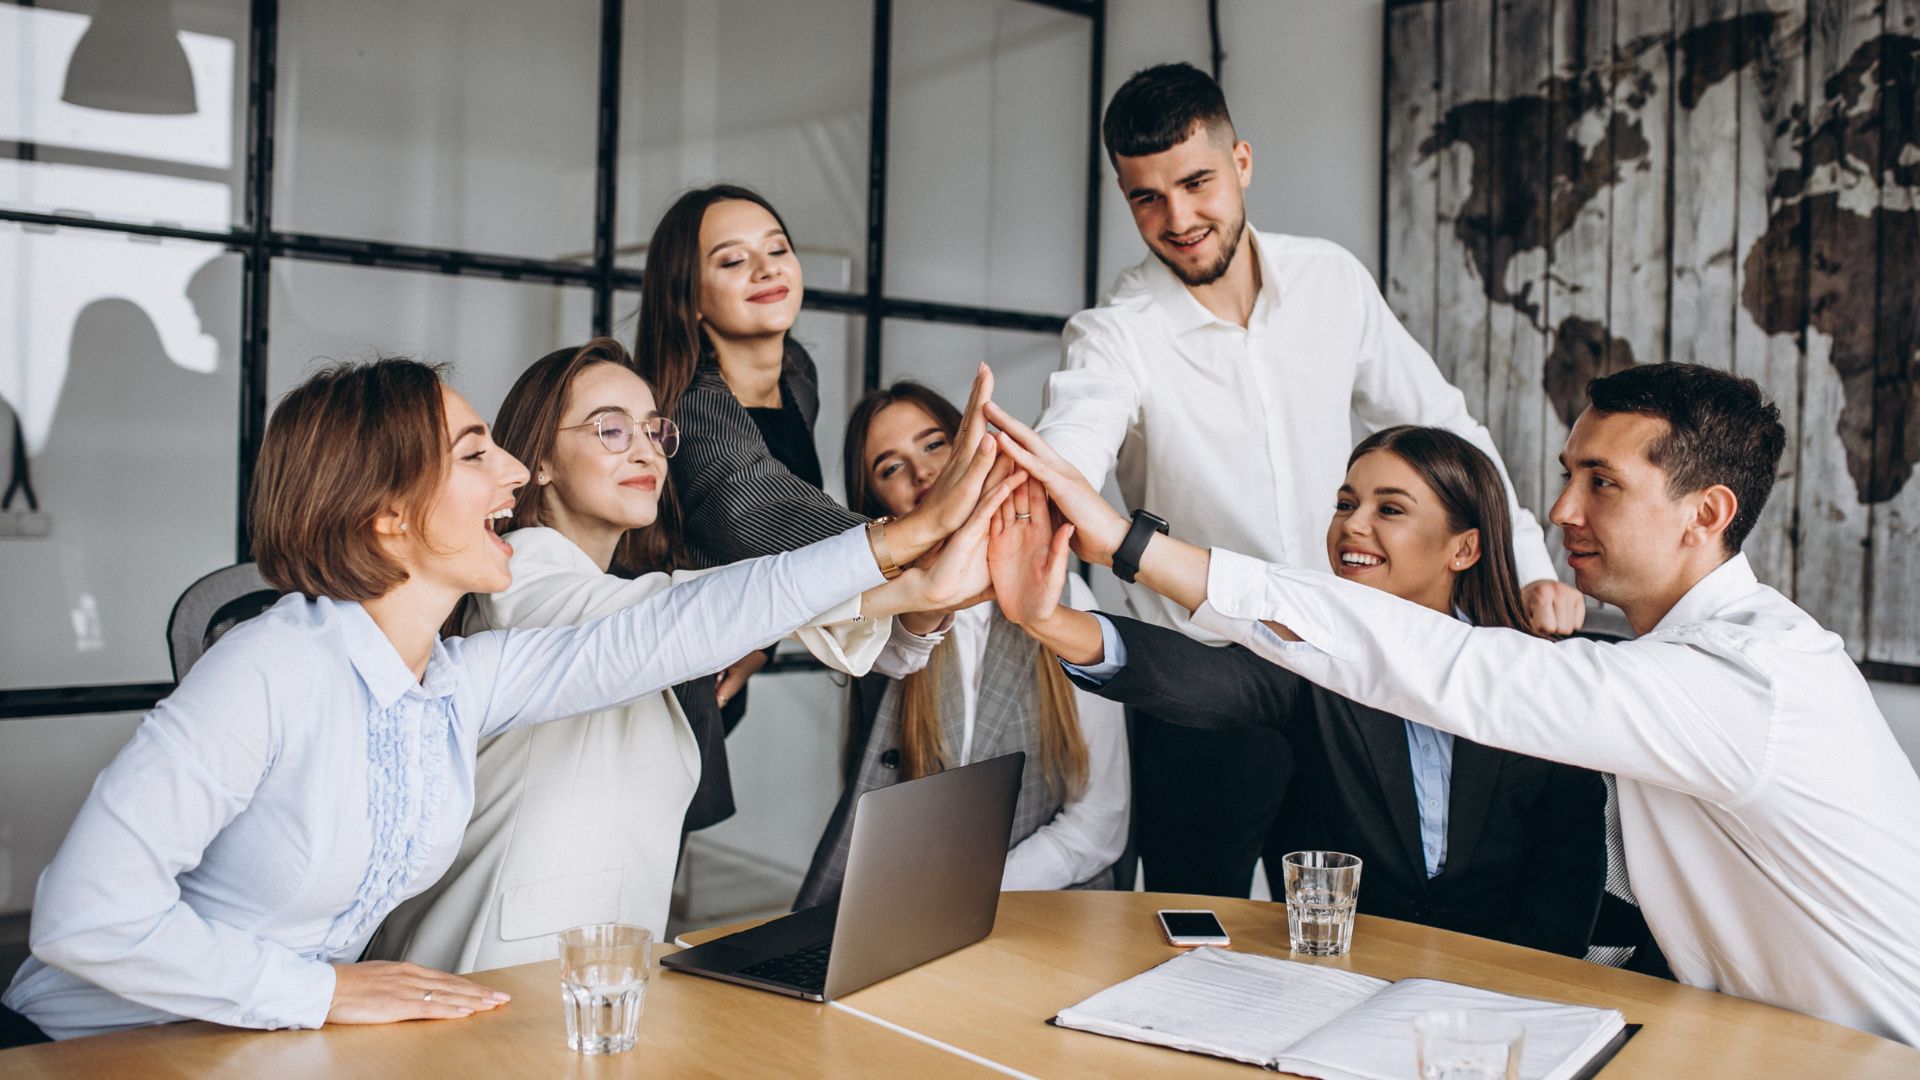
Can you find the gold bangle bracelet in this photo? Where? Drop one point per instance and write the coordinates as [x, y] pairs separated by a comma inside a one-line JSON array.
[[877, 541]]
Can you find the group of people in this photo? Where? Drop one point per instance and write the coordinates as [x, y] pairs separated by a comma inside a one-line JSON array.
[[496, 692]]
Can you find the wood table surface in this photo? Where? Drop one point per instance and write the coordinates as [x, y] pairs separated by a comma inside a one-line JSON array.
[[990, 1001], [691, 1027], [1049, 950]]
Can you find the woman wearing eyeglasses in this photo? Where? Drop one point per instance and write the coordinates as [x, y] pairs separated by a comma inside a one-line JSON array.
[[580, 821], [317, 766]]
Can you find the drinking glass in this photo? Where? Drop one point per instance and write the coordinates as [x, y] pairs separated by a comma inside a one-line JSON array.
[[1460, 1044], [603, 985], [1322, 889]]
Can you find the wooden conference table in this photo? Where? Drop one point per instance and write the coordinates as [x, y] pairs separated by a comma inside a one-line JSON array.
[[979, 1012]]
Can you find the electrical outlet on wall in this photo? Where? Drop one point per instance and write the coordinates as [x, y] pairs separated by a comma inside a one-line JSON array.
[[25, 524]]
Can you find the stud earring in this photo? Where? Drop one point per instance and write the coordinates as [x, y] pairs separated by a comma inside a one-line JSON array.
[[403, 526], [543, 478]]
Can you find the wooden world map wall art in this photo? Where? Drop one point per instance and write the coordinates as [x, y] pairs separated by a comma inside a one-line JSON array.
[[1573, 186]]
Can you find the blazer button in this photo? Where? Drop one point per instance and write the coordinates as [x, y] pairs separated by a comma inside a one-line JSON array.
[[891, 759]]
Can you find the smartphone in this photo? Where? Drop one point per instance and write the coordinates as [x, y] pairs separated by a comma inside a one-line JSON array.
[[1192, 927]]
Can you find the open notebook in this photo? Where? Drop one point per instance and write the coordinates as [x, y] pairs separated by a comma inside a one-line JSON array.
[[1322, 1021]]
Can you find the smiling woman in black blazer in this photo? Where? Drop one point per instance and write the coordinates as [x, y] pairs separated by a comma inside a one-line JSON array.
[[1453, 834]]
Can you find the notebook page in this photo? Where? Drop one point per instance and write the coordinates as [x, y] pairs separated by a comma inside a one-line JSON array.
[[1233, 1005], [1374, 1041]]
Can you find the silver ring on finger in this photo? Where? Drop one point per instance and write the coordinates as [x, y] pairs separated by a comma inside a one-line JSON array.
[[428, 996], [1023, 517]]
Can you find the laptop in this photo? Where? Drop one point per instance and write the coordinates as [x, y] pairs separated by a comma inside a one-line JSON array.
[[923, 879]]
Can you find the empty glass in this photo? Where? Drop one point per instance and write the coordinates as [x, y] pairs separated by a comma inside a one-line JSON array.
[[1459, 1044], [1322, 889], [603, 985]]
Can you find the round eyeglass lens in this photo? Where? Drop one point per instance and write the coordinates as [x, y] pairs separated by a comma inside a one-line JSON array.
[[615, 430]]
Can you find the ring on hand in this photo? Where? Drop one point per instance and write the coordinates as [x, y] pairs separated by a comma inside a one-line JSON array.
[[428, 996], [1022, 517]]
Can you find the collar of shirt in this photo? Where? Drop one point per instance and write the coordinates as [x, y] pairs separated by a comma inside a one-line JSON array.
[[387, 677], [1710, 594], [1184, 313]]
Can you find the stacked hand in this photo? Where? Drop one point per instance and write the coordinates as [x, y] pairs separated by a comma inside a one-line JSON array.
[[1027, 556], [1098, 528], [969, 474]]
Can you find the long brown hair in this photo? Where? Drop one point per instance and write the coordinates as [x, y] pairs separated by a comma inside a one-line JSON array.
[[668, 343], [923, 749], [1469, 487], [528, 427]]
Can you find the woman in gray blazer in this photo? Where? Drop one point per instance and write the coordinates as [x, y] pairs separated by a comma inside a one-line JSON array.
[[974, 689]]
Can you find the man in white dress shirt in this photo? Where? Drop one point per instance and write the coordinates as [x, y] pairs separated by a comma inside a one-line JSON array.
[[1217, 382], [1772, 823]]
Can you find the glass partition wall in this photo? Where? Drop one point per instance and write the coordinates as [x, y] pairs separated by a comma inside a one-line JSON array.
[[202, 199]]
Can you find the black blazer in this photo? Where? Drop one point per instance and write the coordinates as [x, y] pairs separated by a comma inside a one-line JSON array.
[[1526, 838]]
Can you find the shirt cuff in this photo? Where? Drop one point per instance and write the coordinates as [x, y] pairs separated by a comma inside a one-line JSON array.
[[1243, 591], [837, 568], [1112, 659]]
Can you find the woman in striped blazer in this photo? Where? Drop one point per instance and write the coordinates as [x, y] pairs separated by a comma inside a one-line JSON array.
[[721, 292]]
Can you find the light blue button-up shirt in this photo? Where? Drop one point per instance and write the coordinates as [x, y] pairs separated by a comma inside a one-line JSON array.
[[1430, 752], [300, 783]]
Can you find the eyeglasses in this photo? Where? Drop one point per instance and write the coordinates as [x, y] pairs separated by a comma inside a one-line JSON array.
[[615, 427]]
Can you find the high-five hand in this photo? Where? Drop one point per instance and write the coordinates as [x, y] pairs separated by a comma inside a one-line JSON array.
[[958, 578], [958, 488], [1098, 528], [1027, 557]]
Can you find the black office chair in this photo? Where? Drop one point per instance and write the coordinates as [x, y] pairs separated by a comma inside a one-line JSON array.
[[212, 606]]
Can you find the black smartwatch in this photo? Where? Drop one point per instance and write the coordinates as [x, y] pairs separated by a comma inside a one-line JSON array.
[[1126, 558]]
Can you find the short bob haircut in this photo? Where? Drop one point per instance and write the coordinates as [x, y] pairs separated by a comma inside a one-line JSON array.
[[344, 446]]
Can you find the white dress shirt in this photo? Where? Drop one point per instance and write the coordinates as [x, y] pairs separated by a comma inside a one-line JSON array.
[[1772, 823], [1239, 436], [527, 869], [300, 783], [1090, 831]]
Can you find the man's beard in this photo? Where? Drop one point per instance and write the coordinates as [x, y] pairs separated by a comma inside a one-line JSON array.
[[1208, 275]]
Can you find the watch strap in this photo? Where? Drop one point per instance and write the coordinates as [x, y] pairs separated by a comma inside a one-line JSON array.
[[1126, 558]]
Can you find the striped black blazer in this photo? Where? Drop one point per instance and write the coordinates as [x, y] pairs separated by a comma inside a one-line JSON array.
[[736, 500]]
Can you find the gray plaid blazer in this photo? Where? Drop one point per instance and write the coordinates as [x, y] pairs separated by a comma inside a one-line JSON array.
[[1006, 718]]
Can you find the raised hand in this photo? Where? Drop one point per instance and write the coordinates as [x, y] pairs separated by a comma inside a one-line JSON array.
[[386, 991], [1098, 527], [957, 490], [958, 576], [1027, 557]]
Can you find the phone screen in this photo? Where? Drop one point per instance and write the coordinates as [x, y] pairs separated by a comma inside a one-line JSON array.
[[1192, 924]]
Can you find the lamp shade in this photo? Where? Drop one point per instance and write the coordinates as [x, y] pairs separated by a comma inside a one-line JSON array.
[[130, 60]]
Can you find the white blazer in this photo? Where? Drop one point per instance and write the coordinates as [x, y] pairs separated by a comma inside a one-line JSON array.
[[577, 821]]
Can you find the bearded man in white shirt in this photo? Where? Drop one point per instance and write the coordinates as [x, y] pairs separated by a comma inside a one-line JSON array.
[[1216, 381], [1772, 823]]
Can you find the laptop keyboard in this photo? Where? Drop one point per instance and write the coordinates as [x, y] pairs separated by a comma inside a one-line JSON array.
[[805, 968]]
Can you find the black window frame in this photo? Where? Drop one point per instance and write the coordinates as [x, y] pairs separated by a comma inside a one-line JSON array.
[[259, 244]]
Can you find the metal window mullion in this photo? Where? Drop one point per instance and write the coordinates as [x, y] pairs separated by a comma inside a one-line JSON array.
[[606, 164], [256, 274], [1096, 96], [877, 188]]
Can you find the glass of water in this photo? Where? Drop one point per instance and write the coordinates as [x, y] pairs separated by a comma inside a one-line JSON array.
[[1459, 1044], [1322, 889], [603, 985]]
